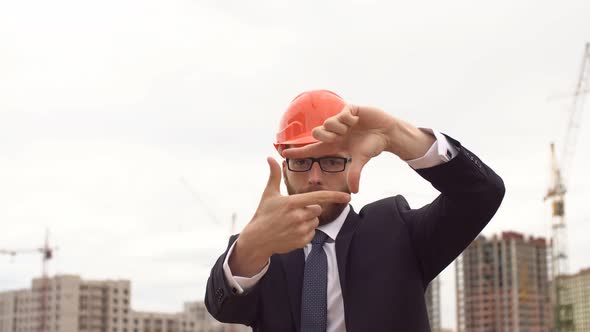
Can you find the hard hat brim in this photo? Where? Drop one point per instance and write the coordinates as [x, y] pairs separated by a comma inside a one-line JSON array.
[[299, 141]]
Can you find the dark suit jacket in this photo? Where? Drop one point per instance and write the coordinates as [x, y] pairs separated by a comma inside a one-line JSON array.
[[387, 255]]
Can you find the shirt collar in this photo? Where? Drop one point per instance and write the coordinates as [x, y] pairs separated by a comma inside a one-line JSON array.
[[333, 228]]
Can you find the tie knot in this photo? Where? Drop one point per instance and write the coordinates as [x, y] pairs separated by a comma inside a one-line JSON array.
[[319, 237]]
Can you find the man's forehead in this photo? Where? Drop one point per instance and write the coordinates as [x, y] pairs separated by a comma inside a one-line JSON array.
[[330, 154]]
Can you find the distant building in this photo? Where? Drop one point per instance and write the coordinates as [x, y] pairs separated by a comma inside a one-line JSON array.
[[574, 292], [76, 305], [432, 296], [502, 285]]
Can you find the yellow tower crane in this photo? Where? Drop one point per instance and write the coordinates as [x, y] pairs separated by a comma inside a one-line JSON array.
[[557, 190]]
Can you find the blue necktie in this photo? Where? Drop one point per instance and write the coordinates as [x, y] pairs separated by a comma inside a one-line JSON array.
[[315, 286]]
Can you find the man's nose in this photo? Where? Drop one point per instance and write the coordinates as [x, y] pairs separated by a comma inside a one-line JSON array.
[[315, 174]]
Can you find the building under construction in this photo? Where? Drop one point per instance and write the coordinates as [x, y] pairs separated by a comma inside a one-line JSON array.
[[502, 285]]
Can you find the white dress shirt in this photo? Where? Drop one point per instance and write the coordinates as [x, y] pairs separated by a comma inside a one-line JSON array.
[[440, 152]]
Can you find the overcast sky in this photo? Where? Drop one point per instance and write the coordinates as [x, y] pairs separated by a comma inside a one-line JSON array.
[[106, 106]]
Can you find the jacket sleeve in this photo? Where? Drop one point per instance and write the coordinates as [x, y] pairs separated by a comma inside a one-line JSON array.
[[470, 195], [223, 302]]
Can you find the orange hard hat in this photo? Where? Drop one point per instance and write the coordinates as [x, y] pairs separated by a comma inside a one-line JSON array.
[[306, 111]]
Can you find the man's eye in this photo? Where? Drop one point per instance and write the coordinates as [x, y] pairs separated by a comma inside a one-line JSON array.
[[333, 162]]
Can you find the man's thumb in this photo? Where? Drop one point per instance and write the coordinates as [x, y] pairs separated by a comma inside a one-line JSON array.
[[274, 179]]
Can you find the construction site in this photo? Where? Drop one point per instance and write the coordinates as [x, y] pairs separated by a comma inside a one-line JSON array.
[[514, 283], [509, 282], [133, 138]]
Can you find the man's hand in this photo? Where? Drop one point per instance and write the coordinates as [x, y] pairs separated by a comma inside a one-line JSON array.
[[364, 132], [280, 224]]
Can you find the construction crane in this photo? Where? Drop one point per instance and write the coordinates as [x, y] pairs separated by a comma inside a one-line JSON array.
[[46, 254], [210, 213], [558, 188]]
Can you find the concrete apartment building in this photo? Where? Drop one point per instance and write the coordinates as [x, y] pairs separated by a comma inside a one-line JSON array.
[[502, 285], [76, 305], [574, 291]]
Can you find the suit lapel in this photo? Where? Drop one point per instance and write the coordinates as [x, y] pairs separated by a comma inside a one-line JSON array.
[[294, 262], [342, 248]]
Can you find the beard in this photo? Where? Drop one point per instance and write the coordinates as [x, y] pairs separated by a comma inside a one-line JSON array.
[[330, 211]]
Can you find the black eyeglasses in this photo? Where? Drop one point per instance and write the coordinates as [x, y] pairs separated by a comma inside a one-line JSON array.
[[327, 164]]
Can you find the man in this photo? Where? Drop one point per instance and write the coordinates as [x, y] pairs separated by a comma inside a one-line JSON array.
[[309, 262]]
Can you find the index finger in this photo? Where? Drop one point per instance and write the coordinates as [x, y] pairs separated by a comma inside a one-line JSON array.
[[349, 115], [318, 197]]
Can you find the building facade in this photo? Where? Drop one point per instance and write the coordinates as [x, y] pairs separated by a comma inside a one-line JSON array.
[[574, 292], [67, 303], [502, 285]]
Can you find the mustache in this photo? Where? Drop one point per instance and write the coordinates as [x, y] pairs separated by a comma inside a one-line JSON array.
[[313, 188]]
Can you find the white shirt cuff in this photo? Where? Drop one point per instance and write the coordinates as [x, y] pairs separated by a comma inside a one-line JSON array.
[[440, 152], [240, 285]]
